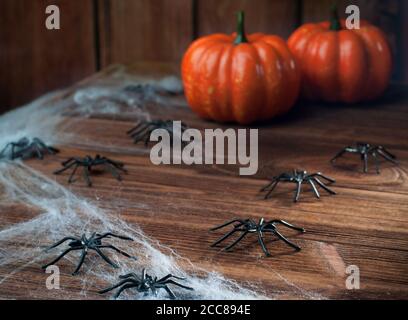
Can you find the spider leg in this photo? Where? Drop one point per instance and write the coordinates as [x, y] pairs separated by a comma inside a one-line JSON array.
[[386, 156], [241, 222], [147, 139], [114, 286], [104, 257], [129, 275], [298, 189], [86, 176], [377, 164], [40, 155], [81, 261], [176, 284], [3, 151], [70, 180], [23, 153], [126, 286], [136, 128], [321, 184], [224, 237], [385, 151], [267, 195], [59, 257], [365, 158], [49, 149], [268, 185], [280, 236], [286, 224], [66, 167], [316, 192], [338, 155], [110, 234], [62, 241], [117, 250], [142, 131], [236, 241], [170, 292], [117, 165], [319, 174], [170, 276], [262, 243], [66, 162], [113, 171]]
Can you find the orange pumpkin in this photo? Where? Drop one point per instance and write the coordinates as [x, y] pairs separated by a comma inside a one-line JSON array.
[[239, 78], [341, 65]]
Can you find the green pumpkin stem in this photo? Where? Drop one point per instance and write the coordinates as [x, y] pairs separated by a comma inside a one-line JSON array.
[[335, 24], [241, 37]]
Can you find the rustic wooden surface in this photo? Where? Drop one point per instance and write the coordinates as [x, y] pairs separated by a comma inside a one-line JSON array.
[[366, 224], [34, 60]]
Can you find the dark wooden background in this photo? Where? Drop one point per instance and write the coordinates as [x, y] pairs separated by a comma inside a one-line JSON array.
[[97, 33]]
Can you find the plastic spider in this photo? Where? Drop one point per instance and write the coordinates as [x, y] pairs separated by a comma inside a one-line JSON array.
[[26, 148], [88, 163], [94, 242], [248, 226], [365, 150], [299, 177], [146, 283], [143, 130]]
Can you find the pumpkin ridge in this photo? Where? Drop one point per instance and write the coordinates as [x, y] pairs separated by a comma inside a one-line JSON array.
[[201, 80]]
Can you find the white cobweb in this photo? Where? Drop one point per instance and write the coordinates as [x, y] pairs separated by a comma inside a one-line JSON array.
[[54, 212]]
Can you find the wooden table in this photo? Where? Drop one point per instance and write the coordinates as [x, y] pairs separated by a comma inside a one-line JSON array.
[[365, 224]]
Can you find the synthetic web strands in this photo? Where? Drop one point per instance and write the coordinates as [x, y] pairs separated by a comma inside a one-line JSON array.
[[51, 212]]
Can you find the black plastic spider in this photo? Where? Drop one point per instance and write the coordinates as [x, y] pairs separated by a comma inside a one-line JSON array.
[[26, 148], [143, 130], [94, 242], [250, 226], [364, 150], [298, 177], [146, 283], [88, 163]]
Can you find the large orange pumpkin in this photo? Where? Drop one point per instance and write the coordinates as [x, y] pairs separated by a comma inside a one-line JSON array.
[[239, 78], [341, 65]]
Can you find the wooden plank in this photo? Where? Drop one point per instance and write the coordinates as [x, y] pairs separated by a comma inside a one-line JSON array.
[[34, 60], [365, 224], [267, 16], [144, 30]]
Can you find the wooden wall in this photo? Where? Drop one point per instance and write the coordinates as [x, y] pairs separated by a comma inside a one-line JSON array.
[[97, 33]]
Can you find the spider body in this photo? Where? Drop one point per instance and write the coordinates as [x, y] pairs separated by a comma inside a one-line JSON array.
[[143, 130], [299, 177], [146, 283], [248, 226], [364, 150], [26, 148], [85, 244], [88, 163]]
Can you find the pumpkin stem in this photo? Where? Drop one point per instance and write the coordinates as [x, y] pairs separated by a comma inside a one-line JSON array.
[[241, 37], [335, 24]]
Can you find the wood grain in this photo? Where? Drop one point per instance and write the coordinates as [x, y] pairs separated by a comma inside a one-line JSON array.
[[144, 30], [267, 16], [365, 224], [33, 59]]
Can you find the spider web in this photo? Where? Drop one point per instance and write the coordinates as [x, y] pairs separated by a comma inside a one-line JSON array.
[[51, 211]]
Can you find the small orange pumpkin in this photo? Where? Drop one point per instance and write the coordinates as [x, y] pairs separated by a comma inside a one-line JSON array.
[[239, 78], [341, 65]]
